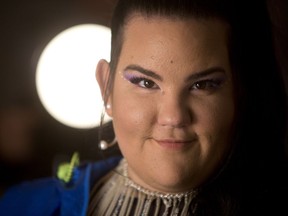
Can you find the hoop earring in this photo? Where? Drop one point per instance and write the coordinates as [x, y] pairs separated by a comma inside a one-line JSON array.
[[103, 145]]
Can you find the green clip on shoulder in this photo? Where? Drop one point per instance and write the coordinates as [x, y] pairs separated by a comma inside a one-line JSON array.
[[65, 170]]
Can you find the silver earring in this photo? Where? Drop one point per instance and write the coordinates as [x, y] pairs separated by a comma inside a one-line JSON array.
[[103, 145], [108, 106]]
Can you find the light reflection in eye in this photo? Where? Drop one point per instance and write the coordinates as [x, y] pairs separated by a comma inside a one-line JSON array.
[[140, 81], [207, 85]]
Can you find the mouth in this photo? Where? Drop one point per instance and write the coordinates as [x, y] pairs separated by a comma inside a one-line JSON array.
[[175, 144]]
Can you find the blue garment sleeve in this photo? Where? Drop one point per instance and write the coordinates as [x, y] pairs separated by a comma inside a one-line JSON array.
[[52, 197], [39, 197]]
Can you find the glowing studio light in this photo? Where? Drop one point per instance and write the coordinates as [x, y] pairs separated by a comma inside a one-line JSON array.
[[65, 75]]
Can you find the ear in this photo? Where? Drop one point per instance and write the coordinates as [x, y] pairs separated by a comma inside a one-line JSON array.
[[102, 76]]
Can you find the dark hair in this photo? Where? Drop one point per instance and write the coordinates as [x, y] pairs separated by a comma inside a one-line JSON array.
[[255, 170]]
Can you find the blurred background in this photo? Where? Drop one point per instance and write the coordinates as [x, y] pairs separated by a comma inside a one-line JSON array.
[[31, 140]]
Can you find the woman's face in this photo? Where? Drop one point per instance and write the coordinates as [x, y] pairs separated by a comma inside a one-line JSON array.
[[172, 102]]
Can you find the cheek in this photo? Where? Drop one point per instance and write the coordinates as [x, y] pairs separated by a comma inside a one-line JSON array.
[[221, 115], [132, 117], [216, 123]]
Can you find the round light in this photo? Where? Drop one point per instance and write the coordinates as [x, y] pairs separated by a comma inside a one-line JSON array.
[[65, 75]]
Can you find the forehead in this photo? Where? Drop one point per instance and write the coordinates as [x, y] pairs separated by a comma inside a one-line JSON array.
[[141, 26], [163, 39]]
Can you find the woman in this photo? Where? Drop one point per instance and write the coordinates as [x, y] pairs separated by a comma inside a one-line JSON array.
[[198, 111]]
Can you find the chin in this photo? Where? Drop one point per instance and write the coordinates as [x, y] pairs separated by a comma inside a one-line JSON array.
[[174, 182]]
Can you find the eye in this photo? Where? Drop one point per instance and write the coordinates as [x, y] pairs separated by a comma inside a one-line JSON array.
[[143, 82], [206, 85]]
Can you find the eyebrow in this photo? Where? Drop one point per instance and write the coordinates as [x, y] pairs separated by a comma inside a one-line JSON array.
[[204, 73], [144, 71], [193, 76]]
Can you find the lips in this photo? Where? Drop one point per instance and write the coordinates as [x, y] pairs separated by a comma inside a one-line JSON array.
[[175, 143]]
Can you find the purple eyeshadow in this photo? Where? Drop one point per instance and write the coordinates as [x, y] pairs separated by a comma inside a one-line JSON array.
[[129, 76]]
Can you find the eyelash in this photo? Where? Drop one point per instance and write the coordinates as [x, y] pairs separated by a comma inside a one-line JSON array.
[[209, 85], [139, 80], [202, 85]]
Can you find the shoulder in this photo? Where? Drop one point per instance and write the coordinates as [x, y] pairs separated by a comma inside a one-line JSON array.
[[50, 196]]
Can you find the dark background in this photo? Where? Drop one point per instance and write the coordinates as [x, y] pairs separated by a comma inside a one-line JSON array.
[[31, 141]]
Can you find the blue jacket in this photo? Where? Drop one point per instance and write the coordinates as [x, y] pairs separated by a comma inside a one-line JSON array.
[[52, 197]]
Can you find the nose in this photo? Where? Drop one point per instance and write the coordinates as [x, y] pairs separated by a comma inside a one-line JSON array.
[[174, 111]]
